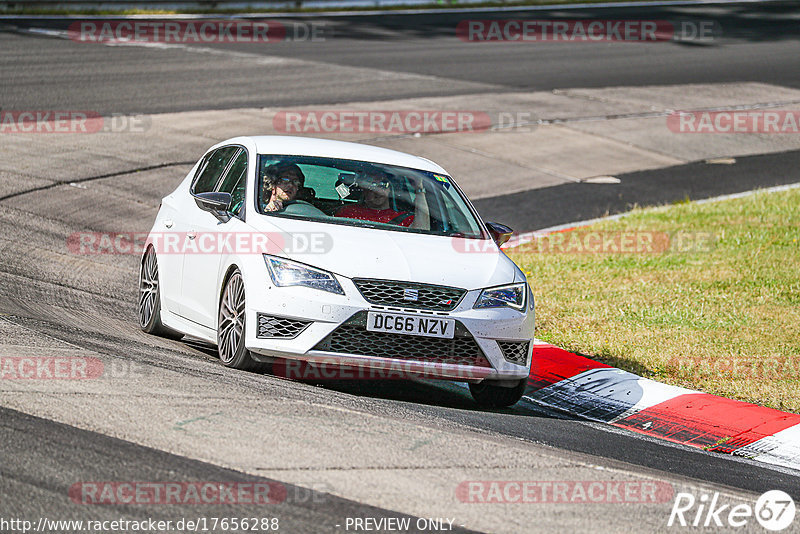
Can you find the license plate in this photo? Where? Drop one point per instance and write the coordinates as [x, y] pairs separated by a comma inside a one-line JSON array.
[[414, 325]]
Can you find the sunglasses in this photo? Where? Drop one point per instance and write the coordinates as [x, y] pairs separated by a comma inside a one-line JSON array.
[[286, 180]]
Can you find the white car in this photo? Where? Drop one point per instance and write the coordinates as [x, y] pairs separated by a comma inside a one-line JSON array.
[[300, 250]]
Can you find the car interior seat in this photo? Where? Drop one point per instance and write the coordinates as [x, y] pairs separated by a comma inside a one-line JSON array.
[[307, 194]]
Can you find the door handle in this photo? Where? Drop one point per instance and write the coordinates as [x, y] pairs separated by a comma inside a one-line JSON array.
[[168, 223], [191, 235]]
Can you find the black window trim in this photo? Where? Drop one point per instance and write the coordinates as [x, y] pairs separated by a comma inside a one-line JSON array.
[[241, 214], [222, 175]]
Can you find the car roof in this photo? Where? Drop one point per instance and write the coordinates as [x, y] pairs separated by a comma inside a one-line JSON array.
[[312, 146]]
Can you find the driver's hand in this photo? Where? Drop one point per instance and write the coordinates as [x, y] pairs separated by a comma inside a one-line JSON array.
[[275, 205]]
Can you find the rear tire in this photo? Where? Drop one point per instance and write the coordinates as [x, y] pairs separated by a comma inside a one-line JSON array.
[[491, 395], [149, 308], [231, 327]]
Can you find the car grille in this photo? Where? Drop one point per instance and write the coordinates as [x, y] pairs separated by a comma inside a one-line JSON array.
[[515, 351], [271, 326], [353, 338], [396, 293]]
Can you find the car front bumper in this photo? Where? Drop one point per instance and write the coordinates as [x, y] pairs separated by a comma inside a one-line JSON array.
[[328, 331]]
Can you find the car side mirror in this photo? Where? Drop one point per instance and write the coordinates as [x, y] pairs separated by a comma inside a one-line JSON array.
[[500, 232], [218, 204]]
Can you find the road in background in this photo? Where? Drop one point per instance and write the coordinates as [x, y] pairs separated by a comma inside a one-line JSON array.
[[408, 56]]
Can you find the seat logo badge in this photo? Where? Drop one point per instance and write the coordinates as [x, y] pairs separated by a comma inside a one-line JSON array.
[[410, 294]]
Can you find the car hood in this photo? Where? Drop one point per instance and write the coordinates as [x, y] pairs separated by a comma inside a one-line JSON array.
[[357, 252]]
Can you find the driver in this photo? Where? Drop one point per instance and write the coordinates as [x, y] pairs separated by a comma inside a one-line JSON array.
[[282, 182], [374, 204]]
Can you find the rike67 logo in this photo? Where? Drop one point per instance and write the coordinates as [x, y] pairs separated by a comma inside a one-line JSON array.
[[774, 510]]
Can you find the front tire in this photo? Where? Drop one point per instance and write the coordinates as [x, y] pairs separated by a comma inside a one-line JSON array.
[[149, 308], [231, 327], [491, 395]]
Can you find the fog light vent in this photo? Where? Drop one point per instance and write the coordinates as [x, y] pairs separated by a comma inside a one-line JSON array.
[[515, 351], [274, 327]]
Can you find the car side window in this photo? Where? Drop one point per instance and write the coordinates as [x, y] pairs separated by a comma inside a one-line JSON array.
[[234, 182], [212, 168]]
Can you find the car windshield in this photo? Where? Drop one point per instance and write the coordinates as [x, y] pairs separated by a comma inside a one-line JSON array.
[[359, 193]]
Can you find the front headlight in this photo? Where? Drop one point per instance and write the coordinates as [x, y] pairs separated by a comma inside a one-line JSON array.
[[512, 295], [291, 273]]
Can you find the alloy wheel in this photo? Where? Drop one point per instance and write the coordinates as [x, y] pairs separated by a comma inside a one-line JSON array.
[[231, 319], [148, 288]]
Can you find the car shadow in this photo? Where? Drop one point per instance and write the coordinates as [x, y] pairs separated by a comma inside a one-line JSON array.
[[433, 393], [418, 391], [442, 394]]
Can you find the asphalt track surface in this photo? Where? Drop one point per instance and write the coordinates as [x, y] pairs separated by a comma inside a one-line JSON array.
[[572, 202], [755, 42], [49, 457], [42, 458]]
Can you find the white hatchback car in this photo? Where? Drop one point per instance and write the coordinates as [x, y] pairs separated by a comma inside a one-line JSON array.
[[291, 249]]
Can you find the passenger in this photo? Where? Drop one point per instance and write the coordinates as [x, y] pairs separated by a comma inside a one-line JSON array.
[[281, 183], [374, 204]]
